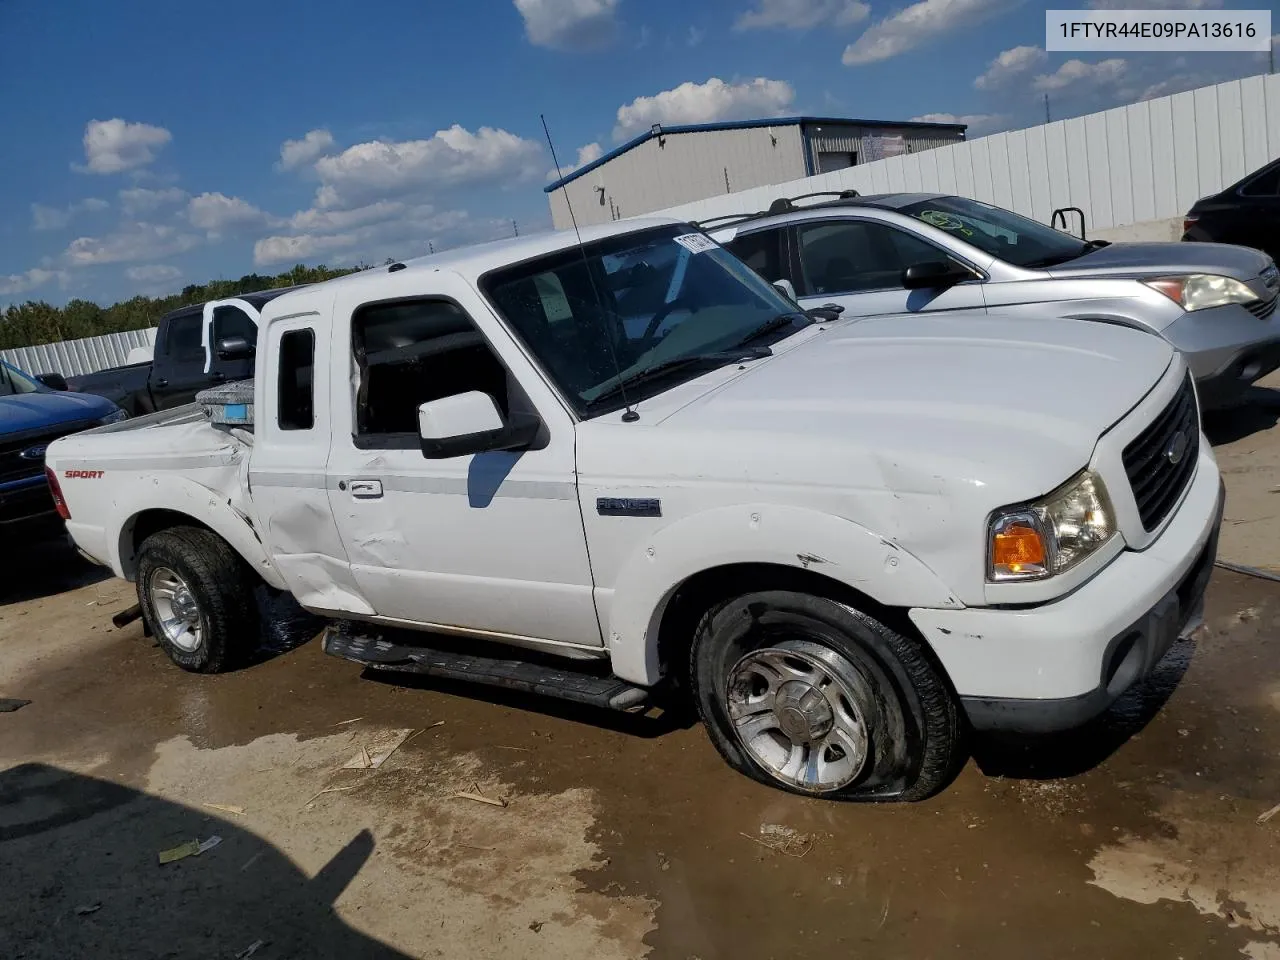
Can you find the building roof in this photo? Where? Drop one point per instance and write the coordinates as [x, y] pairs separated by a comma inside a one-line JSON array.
[[741, 125]]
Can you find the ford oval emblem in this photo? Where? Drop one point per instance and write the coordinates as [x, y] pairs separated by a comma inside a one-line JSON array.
[[34, 453], [1177, 448]]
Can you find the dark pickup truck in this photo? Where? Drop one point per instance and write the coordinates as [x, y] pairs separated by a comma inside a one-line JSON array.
[[178, 371]]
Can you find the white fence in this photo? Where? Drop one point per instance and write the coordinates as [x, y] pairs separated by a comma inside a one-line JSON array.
[[73, 357], [1146, 161]]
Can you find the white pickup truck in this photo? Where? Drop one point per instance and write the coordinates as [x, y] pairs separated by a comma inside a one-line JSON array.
[[609, 469]]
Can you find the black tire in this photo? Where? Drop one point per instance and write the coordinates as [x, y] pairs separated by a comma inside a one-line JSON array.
[[913, 726], [222, 587]]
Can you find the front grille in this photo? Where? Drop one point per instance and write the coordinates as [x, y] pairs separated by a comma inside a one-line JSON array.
[[1262, 308], [14, 466], [1157, 474]]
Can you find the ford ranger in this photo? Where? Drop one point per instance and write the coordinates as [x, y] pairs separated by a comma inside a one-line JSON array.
[[624, 466]]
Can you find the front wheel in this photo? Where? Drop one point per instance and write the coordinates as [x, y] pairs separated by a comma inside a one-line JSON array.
[[817, 698], [197, 596]]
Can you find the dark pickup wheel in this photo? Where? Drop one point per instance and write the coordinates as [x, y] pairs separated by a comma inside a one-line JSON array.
[[197, 596], [807, 694]]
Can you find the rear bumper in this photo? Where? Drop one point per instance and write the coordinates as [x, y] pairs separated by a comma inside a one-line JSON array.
[[1055, 665]]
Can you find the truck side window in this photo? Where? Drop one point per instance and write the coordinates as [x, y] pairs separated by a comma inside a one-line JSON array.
[[296, 396], [233, 322], [412, 351], [183, 340]]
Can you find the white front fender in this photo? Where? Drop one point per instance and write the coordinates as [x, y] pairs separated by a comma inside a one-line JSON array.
[[755, 534]]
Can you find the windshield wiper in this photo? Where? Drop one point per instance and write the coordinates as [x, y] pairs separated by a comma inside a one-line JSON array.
[[659, 370], [776, 323]]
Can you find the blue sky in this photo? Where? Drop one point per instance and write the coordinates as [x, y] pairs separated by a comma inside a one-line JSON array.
[[154, 144]]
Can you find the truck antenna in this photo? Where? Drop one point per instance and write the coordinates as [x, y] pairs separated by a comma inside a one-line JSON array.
[[629, 414]]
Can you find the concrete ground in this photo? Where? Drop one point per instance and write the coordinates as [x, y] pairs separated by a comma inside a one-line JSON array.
[[1138, 837]]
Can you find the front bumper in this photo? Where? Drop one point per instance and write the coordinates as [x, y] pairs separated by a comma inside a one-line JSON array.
[[27, 511], [1228, 349], [1055, 666]]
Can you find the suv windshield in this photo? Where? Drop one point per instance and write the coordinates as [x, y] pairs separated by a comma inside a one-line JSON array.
[[14, 381], [642, 310], [1012, 238]]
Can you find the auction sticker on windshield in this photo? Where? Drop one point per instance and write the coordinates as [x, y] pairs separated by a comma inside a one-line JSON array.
[[696, 242]]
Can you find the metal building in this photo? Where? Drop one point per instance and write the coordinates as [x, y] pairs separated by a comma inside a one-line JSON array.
[[671, 165]]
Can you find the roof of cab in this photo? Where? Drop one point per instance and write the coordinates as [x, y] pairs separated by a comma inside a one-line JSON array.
[[471, 261]]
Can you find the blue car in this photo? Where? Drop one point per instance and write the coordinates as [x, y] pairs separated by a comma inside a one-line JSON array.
[[31, 417]]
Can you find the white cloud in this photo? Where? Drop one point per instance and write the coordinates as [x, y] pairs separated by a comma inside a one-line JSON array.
[[1077, 73], [704, 103], [917, 25], [132, 241], [139, 200], [326, 221], [695, 36], [569, 24], [402, 232], [55, 218], [16, 283], [217, 213], [1009, 64], [299, 153], [455, 157], [155, 273], [586, 154], [1155, 4], [802, 14], [113, 146], [976, 122]]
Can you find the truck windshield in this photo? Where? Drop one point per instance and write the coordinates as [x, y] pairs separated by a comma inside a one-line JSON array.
[[1001, 233], [14, 381], [619, 309]]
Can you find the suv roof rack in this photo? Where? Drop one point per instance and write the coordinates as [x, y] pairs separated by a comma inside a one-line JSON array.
[[781, 205]]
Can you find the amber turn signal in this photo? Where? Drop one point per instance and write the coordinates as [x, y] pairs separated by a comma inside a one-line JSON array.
[[1018, 548]]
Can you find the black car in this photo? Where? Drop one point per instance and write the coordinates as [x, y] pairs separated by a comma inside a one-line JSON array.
[[178, 371], [1246, 213]]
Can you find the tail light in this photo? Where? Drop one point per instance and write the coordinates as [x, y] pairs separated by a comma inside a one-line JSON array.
[[59, 502], [1189, 222]]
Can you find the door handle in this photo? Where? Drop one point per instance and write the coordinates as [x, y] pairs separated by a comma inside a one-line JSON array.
[[217, 376], [162, 382], [365, 489]]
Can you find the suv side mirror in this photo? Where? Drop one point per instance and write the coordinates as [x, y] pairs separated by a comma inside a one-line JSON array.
[[235, 348], [786, 288], [934, 274], [468, 423], [54, 381]]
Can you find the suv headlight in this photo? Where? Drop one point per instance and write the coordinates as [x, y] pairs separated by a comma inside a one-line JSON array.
[[1032, 541], [115, 417], [1199, 291]]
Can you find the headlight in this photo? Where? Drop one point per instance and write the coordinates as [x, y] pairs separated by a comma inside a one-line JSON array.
[[1199, 291], [113, 418], [1036, 540]]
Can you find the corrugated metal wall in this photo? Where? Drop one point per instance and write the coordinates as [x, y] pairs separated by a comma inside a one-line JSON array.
[[688, 167], [73, 357], [1146, 161]]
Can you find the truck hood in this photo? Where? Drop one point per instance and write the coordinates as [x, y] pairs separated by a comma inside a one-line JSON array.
[[1165, 259], [1016, 406], [26, 412]]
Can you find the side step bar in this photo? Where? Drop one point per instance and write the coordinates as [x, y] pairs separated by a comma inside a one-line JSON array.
[[371, 650]]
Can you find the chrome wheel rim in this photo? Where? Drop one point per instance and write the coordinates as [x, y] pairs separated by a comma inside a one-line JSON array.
[[795, 710], [177, 613]]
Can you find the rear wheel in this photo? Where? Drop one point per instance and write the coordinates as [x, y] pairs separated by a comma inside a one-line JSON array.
[[807, 694], [197, 596]]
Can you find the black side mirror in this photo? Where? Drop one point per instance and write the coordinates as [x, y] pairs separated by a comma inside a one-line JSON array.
[[235, 348], [933, 274], [54, 381]]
